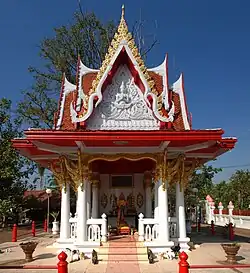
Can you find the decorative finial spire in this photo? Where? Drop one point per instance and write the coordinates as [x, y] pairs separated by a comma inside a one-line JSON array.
[[123, 12]]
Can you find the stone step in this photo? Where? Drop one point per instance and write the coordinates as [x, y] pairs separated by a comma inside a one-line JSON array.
[[123, 262], [128, 244], [122, 246], [122, 258], [113, 252], [122, 251]]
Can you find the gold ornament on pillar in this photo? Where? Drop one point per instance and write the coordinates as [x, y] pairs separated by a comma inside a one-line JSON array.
[[164, 170], [174, 167], [60, 174], [73, 171], [180, 170], [76, 169], [160, 170], [188, 170]]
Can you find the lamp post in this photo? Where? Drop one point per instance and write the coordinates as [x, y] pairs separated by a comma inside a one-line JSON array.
[[48, 191], [195, 191]]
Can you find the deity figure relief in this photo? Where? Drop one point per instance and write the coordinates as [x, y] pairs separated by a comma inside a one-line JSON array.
[[122, 97]]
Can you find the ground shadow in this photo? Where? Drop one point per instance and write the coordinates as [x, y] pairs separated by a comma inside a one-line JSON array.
[[240, 258], [13, 262], [44, 256], [205, 236]]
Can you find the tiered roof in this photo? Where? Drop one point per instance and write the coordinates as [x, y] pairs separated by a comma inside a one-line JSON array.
[[77, 102]]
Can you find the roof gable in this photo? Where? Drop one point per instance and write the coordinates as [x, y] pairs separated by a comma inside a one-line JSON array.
[[123, 43], [123, 106], [78, 102]]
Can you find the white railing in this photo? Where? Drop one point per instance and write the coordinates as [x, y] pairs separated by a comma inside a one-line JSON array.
[[149, 228], [96, 228], [237, 220]]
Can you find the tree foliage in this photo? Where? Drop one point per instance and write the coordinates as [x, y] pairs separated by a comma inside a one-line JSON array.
[[202, 180], [237, 190], [14, 169]]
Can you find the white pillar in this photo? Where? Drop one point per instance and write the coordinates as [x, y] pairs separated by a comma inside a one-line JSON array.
[[181, 219], [95, 200], [156, 208], [82, 213], [220, 207], [88, 200], [148, 193], [65, 213], [163, 215]]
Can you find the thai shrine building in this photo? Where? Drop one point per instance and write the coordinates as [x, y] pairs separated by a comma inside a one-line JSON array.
[[122, 134]]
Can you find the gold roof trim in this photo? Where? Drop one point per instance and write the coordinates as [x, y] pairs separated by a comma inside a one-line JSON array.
[[121, 34]]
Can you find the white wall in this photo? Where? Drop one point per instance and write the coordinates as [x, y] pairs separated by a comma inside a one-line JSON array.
[[105, 188]]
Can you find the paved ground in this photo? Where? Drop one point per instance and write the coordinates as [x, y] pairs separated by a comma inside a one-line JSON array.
[[22, 232], [209, 252]]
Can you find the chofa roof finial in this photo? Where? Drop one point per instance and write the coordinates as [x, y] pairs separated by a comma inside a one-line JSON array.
[[123, 12]]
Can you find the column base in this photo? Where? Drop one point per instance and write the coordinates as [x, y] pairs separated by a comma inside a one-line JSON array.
[[183, 242]]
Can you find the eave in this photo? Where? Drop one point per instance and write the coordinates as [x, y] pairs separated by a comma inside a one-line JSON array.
[[46, 146], [126, 135]]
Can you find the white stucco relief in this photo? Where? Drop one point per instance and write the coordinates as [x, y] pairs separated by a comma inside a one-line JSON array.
[[123, 106]]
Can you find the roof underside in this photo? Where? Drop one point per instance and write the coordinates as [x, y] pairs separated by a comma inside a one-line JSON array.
[[45, 147]]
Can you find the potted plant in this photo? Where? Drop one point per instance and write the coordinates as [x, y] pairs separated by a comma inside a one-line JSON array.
[[28, 249], [55, 223], [231, 251]]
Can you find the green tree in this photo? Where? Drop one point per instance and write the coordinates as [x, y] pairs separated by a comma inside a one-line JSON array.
[[14, 169], [236, 189], [222, 193], [239, 189], [202, 180]]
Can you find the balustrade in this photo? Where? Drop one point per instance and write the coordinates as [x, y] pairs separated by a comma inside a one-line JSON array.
[[96, 228], [149, 228]]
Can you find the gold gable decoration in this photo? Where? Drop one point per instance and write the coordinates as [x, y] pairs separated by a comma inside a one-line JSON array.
[[180, 171], [123, 34], [60, 175]]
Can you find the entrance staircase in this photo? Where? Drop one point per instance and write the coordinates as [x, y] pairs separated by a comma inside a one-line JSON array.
[[122, 249]]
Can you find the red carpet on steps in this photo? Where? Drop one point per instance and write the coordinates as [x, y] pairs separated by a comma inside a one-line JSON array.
[[123, 263]]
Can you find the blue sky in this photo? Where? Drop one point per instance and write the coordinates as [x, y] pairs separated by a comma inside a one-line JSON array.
[[207, 40]]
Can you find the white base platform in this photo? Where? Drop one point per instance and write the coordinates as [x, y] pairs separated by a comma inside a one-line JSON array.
[[85, 247], [159, 247]]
